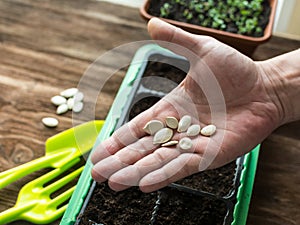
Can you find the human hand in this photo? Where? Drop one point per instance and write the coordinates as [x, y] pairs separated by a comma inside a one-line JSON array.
[[223, 87]]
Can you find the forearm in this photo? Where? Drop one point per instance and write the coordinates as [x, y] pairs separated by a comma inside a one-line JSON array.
[[282, 73]]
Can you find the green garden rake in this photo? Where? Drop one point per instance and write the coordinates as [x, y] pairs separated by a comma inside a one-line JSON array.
[[35, 201]]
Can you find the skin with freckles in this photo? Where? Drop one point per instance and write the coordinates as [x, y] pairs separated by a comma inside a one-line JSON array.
[[258, 97]]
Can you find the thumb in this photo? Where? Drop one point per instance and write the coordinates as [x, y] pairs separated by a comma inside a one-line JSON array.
[[178, 40]]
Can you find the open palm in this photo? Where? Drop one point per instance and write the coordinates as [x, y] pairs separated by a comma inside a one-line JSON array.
[[223, 87]]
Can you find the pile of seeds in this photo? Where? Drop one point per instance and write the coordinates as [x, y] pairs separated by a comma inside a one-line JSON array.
[[69, 99], [163, 132]]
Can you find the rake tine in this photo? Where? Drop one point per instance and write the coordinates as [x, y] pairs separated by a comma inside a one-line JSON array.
[[63, 181], [62, 197], [58, 201], [59, 212], [39, 182]]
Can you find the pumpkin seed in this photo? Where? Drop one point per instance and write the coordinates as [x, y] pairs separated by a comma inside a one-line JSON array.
[[153, 126], [172, 122], [68, 93], [184, 123], [193, 130], [78, 97], [77, 107], [50, 122], [70, 103], [163, 135], [185, 143], [169, 143], [58, 100], [62, 109], [208, 130]]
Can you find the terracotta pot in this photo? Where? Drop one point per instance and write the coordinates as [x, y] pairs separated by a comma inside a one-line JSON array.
[[243, 43]]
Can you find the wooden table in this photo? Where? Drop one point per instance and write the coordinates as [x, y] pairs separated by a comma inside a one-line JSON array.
[[46, 46]]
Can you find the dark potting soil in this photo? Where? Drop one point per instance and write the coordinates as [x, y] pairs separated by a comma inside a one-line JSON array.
[[163, 76], [219, 182], [186, 209], [114, 208], [178, 12], [141, 105]]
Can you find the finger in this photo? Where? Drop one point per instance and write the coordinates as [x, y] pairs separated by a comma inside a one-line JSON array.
[[124, 136], [183, 166], [163, 31], [128, 155], [204, 149], [204, 153], [133, 130], [131, 175]]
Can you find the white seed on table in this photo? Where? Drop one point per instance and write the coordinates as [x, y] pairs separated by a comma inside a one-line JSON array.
[[172, 122], [77, 107], [153, 126], [58, 100], [169, 143], [184, 123], [163, 135], [50, 122], [193, 130], [62, 109], [208, 130], [68, 93], [185, 143], [70, 103], [78, 97]]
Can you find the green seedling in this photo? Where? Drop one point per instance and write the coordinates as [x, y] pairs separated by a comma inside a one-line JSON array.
[[218, 14], [165, 10]]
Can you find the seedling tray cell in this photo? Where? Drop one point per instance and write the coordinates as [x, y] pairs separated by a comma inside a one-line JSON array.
[[219, 196], [163, 74], [127, 207], [222, 182], [178, 207]]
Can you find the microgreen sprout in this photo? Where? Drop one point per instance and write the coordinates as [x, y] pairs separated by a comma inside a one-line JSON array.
[[165, 10], [243, 15]]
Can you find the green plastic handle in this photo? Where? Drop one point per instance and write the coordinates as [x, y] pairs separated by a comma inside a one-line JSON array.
[[60, 149], [14, 213], [35, 202], [9, 176]]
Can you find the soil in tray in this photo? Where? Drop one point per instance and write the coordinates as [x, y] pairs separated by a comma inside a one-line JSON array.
[[141, 105], [219, 182], [164, 74], [186, 209], [113, 208], [160, 75]]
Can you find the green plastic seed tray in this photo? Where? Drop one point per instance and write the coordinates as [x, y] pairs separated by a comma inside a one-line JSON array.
[[135, 95]]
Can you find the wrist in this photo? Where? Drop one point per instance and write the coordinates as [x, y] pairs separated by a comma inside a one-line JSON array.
[[281, 76]]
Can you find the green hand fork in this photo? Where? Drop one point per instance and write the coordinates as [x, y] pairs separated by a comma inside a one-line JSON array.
[[60, 149], [35, 202]]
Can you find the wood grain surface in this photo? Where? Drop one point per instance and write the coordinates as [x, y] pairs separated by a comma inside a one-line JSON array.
[[47, 46]]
